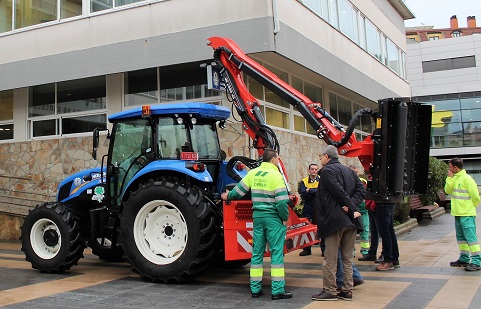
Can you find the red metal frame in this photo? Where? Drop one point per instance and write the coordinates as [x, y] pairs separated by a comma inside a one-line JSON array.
[[238, 227]]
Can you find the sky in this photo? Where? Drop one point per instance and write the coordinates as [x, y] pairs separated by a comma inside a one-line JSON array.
[[437, 13]]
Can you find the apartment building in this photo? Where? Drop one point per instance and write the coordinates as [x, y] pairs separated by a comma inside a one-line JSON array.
[[65, 65], [444, 69]]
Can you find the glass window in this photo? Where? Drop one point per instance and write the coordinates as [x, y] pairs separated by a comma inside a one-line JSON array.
[[362, 32], [6, 131], [392, 56], [5, 16], [125, 2], [100, 5], [28, 13], [470, 103], [456, 34], [271, 96], [348, 20], [81, 95], [314, 5], [83, 124], [299, 123], [277, 118], [333, 105], [41, 100], [472, 134], [373, 40], [255, 88], [469, 115], [6, 105], [296, 83], [334, 17], [464, 62], [181, 81], [44, 128], [141, 87], [446, 105], [205, 141], [325, 10], [313, 92], [345, 110], [70, 8], [172, 136]]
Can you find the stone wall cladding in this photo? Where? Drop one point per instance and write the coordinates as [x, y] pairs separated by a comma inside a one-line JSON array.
[[31, 171]]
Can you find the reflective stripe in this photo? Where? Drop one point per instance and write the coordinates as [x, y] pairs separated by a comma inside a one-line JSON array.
[[280, 190], [282, 197], [475, 249], [256, 273], [460, 197], [277, 272], [274, 278], [460, 190], [364, 244], [277, 266], [264, 199]]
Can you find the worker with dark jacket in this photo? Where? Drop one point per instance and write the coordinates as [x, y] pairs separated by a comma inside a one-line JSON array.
[[270, 212], [340, 191], [307, 190]]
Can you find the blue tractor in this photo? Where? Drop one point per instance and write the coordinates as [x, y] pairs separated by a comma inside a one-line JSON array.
[[153, 202]]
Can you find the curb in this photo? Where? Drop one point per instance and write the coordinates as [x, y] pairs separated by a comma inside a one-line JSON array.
[[405, 227]]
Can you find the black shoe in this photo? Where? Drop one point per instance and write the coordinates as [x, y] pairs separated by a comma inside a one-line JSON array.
[[396, 264], [358, 282], [472, 267], [344, 295], [380, 259], [304, 253], [258, 294], [324, 296], [367, 257], [458, 263], [284, 295]]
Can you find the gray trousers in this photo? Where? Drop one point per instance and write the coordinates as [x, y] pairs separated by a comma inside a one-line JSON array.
[[344, 239]]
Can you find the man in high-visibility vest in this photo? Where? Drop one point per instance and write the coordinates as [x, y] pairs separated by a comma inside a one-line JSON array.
[[270, 212], [464, 200], [307, 189]]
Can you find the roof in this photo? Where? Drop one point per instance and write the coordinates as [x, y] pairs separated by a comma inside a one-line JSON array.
[[402, 9], [197, 109]]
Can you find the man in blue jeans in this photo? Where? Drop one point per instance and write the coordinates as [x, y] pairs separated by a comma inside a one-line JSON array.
[[356, 276], [390, 250]]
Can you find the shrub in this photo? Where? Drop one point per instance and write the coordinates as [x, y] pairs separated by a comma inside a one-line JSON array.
[[438, 171]]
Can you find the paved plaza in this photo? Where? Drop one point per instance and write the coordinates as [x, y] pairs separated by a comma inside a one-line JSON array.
[[425, 280]]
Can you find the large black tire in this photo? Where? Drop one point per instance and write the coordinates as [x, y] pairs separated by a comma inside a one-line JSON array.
[[102, 247], [167, 231], [51, 238]]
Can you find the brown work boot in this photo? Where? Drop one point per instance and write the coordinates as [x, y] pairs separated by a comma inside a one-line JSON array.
[[385, 266]]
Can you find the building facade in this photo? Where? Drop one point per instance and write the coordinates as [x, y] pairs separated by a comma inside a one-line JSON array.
[[66, 65], [446, 72]]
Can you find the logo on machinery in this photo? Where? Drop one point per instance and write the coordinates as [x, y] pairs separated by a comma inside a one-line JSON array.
[[296, 226]]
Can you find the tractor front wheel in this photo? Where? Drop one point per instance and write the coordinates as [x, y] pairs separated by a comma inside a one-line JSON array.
[[51, 238]]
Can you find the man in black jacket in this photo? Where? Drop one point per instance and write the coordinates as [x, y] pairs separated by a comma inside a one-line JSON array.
[[340, 191]]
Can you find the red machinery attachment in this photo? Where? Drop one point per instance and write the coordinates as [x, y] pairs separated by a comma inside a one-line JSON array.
[[238, 231]]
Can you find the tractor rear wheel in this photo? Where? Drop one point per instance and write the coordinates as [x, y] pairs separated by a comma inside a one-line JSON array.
[[51, 238], [102, 247], [167, 231]]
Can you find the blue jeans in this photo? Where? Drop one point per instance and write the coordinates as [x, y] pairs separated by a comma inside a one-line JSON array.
[[374, 243], [385, 220], [356, 276]]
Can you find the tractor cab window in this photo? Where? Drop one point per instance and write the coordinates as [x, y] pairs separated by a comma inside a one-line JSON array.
[[172, 138], [205, 141], [175, 137], [130, 150]]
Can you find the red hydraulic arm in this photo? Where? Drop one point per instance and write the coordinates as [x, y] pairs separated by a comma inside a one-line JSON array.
[[233, 62]]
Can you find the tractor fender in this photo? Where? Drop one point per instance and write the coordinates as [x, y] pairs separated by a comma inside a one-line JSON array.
[[178, 166]]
